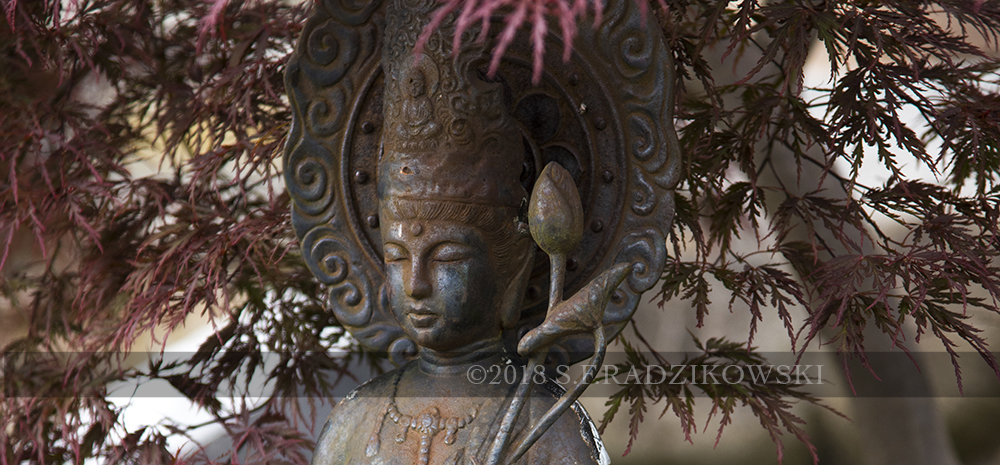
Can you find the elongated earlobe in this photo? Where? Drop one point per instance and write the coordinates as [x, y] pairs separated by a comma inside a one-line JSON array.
[[513, 295]]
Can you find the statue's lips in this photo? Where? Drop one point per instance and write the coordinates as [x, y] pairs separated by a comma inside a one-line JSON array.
[[421, 317]]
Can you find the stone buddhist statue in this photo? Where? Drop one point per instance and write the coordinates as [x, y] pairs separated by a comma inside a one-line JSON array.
[[410, 177]]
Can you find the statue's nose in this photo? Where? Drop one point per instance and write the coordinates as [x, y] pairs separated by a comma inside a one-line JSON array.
[[417, 285]]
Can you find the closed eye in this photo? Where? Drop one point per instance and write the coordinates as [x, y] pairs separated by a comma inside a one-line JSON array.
[[451, 252], [395, 253]]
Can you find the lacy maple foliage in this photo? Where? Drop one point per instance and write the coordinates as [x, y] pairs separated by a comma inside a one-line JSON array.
[[92, 89]]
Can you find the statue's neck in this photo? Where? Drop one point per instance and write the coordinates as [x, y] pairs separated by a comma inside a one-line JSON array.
[[457, 362]]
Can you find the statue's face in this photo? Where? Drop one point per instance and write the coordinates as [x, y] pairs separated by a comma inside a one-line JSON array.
[[442, 287]]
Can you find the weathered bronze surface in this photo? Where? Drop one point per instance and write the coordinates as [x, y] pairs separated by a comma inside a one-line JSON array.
[[410, 182]]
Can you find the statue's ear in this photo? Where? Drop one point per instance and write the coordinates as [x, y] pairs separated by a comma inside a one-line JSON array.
[[513, 295]]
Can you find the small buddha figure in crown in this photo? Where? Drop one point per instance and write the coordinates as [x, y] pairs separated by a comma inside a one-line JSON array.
[[457, 257], [418, 115]]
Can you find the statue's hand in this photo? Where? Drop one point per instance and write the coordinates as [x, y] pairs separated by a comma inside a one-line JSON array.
[[581, 313]]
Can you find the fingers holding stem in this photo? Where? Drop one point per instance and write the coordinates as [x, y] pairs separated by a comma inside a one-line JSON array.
[[558, 276], [566, 400]]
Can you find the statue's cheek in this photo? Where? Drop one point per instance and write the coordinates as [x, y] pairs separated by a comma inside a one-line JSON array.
[[451, 282]]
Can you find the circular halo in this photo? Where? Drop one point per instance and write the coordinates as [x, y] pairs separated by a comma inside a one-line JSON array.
[[606, 116]]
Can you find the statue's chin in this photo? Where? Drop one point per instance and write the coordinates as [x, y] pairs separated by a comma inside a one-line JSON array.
[[430, 336]]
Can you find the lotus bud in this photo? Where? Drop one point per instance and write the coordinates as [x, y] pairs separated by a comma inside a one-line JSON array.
[[555, 215]]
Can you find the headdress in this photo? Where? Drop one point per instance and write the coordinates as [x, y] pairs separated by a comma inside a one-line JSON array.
[[446, 132]]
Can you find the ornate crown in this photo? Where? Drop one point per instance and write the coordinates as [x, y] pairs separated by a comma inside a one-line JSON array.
[[447, 134]]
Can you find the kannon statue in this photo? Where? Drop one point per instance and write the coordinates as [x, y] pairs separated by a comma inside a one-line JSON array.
[[449, 211]]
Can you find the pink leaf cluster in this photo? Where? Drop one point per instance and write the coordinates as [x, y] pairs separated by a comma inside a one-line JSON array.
[[535, 13]]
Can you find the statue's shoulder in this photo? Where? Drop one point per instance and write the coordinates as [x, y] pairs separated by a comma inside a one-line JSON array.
[[372, 394], [351, 421], [375, 390]]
